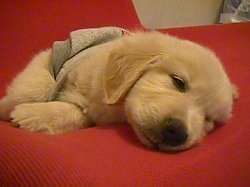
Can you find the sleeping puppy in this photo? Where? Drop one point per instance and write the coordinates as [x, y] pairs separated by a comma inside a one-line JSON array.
[[171, 91]]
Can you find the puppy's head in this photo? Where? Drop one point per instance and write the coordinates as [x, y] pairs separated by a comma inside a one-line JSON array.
[[173, 90]]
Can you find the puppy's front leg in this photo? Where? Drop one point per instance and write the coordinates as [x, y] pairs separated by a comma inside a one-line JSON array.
[[49, 117]]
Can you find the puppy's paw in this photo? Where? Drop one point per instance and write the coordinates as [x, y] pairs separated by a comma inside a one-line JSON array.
[[28, 116], [49, 118], [235, 92], [209, 126]]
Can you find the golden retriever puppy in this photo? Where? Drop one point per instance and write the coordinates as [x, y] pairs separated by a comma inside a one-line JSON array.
[[171, 91]]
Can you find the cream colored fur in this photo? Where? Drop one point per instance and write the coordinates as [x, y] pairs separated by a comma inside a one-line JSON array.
[[128, 79]]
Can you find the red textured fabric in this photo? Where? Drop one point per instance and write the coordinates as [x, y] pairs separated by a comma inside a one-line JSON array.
[[27, 27], [112, 155]]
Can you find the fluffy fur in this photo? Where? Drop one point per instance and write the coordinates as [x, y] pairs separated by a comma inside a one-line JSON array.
[[128, 79]]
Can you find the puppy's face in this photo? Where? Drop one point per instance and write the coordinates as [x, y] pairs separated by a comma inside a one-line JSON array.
[[174, 90]]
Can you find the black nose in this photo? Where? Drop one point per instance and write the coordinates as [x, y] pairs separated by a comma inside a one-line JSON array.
[[174, 132]]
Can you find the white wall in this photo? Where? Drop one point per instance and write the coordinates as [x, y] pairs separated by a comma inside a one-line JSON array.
[[174, 13]]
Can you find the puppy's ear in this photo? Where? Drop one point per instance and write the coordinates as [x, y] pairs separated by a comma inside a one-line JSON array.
[[122, 71]]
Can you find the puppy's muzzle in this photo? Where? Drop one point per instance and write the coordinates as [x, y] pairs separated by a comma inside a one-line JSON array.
[[174, 132], [170, 134]]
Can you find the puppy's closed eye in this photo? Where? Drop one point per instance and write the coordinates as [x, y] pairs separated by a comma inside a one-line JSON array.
[[179, 83]]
